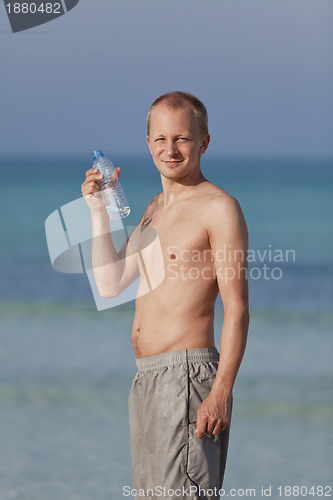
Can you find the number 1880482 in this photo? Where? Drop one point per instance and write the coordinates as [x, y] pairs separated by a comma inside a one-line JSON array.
[[33, 8]]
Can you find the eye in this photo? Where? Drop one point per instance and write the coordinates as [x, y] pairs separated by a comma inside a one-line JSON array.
[[159, 139], [183, 139]]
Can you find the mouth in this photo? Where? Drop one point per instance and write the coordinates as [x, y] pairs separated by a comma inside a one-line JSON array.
[[172, 163]]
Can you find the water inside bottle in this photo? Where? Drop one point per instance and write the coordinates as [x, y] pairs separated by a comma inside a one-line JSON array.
[[119, 214]]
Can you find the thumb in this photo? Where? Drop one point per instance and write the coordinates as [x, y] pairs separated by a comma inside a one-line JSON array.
[[117, 170]]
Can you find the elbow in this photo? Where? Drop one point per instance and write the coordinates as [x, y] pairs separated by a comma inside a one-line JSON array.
[[245, 313], [239, 310], [108, 294], [238, 307], [107, 288], [246, 318]]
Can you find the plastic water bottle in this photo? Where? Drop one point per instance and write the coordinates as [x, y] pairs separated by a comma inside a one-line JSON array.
[[112, 192]]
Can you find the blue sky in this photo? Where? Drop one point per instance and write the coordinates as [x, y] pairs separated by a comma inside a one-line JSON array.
[[264, 69]]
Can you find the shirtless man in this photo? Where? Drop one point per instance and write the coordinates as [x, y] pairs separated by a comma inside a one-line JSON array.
[[181, 398]]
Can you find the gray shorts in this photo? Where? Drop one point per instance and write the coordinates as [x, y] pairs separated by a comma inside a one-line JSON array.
[[168, 460]]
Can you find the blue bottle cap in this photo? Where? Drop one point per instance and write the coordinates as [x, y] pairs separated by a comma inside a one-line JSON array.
[[97, 153]]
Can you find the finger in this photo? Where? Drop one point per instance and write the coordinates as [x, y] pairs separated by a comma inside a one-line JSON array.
[[224, 426], [220, 426], [89, 188], [94, 177], [211, 426], [117, 170], [91, 171], [200, 432], [201, 427], [86, 186], [217, 428]]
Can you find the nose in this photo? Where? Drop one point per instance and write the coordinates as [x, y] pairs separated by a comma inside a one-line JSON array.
[[172, 148]]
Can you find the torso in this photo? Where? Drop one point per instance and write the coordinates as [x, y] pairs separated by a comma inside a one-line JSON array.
[[175, 308]]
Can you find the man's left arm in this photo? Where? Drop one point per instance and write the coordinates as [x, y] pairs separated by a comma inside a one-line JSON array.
[[229, 243]]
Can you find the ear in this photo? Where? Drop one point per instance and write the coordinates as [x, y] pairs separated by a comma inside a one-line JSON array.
[[204, 144], [149, 145]]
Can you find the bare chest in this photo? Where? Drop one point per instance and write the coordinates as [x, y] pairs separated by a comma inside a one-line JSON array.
[[177, 237]]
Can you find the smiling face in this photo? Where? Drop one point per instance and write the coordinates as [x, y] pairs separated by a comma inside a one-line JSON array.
[[175, 141]]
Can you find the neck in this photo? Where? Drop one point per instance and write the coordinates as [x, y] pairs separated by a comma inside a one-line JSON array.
[[175, 189]]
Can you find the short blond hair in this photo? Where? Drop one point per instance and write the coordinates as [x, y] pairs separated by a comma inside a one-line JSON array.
[[179, 100]]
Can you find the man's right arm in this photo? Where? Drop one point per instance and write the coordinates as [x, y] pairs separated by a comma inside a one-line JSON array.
[[113, 271]]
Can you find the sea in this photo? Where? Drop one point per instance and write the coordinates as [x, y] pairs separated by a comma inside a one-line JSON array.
[[66, 367]]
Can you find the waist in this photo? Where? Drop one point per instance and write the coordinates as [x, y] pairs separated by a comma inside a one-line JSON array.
[[173, 358]]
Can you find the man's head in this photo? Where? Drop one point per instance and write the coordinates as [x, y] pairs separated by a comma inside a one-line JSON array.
[[177, 135], [179, 100]]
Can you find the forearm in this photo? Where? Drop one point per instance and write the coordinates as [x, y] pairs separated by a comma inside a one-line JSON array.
[[232, 348], [106, 263]]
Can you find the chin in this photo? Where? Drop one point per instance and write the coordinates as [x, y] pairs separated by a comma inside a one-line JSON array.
[[174, 174]]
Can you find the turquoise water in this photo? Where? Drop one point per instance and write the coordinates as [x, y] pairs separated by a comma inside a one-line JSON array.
[[66, 369]]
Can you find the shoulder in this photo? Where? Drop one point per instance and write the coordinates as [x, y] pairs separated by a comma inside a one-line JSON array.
[[222, 210], [220, 201]]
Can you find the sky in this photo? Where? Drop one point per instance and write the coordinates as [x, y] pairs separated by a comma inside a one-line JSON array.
[[263, 68]]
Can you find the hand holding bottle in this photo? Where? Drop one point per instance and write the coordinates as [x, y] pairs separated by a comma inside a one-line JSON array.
[[91, 189], [106, 187]]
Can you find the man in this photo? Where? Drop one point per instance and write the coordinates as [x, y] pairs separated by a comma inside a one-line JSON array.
[[181, 398]]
